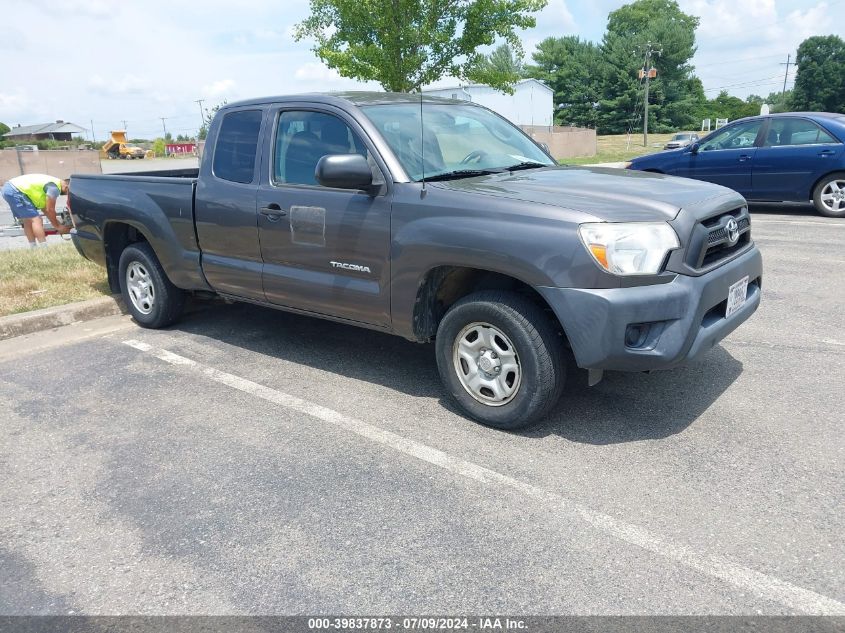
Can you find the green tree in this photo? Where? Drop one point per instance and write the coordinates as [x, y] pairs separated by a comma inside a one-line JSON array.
[[779, 102], [4, 128], [675, 93], [726, 106], [159, 147], [820, 81], [502, 64], [407, 44], [573, 68], [209, 114]]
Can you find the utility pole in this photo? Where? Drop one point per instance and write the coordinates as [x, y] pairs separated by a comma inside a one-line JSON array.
[[648, 72], [202, 117], [786, 74], [163, 126], [93, 135]]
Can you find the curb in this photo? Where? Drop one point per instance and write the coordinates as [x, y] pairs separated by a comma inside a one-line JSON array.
[[57, 316]]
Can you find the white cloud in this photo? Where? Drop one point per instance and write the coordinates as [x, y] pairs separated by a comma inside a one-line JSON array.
[[315, 71], [219, 88], [124, 85], [13, 101], [555, 20]]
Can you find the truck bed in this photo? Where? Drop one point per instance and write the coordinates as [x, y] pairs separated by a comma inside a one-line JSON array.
[[158, 205]]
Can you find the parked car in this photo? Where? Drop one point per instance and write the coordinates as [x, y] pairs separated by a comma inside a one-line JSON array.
[[793, 157], [681, 139], [453, 226]]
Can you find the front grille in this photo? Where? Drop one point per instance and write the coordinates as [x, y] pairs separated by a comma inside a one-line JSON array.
[[722, 234], [711, 245]]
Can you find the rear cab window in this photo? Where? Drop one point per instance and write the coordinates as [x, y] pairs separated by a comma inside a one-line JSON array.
[[237, 146]]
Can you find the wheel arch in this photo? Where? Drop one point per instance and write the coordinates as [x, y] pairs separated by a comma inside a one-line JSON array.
[[442, 286], [117, 235], [821, 179]]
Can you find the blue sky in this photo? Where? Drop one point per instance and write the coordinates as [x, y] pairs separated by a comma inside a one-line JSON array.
[[138, 60]]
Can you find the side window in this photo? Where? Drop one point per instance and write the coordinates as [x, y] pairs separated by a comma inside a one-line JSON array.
[[796, 132], [303, 138], [237, 144], [733, 137]]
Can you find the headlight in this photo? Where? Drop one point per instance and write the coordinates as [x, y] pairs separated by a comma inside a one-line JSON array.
[[636, 248]]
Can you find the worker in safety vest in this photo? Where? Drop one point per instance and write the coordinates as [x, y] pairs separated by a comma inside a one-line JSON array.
[[28, 195]]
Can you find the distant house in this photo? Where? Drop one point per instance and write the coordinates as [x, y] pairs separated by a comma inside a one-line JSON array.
[[532, 102], [58, 131]]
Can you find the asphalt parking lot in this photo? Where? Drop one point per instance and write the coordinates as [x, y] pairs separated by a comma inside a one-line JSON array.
[[252, 461]]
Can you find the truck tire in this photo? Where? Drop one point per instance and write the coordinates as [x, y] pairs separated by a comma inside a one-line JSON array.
[[829, 195], [501, 358], [152, 299]]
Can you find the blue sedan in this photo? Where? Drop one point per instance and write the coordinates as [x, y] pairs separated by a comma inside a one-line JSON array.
[[794, 157]]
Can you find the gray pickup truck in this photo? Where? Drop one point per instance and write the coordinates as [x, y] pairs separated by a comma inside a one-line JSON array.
[[435, 220]]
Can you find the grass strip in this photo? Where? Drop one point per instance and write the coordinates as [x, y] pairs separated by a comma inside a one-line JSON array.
[[31, 279]]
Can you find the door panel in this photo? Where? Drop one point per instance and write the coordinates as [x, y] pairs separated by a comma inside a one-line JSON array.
[[324, 250], [226, 220], [795, 154], [727, 167], [726, 157]]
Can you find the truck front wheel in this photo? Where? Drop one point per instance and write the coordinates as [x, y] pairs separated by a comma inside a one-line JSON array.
[[152, 299], [500, 357]]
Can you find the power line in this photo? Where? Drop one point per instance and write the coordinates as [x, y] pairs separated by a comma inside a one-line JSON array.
[[736, 59], [743, 84]]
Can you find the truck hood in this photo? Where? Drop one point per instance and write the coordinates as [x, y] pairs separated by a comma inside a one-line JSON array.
[[612, 195]]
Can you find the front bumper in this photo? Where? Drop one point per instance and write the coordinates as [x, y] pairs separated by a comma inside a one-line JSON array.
[[678, 321]]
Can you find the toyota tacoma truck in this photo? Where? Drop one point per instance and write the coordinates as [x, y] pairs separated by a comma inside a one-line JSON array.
[[432, 219]]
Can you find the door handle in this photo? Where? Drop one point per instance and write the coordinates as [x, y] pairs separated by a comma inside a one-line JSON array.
[[273, 212], [826, 152], [744, 158]]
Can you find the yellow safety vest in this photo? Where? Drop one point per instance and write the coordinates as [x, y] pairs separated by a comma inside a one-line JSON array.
[[32, 186]]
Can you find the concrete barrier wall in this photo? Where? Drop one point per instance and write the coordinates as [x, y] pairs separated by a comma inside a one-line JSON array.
[[58, 163], [564, 142]]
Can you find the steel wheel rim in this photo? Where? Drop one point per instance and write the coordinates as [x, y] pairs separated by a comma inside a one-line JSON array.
[[487, 365], [833, 196], [140, 287]]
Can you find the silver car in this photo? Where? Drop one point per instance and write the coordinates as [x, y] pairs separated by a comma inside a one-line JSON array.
[[682, 139]]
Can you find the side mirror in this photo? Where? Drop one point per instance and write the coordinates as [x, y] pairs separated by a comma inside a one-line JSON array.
[[344, 171], [546, 149], [693, 148]]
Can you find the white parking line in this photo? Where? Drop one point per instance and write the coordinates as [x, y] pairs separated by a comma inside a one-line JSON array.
[[766, 586]]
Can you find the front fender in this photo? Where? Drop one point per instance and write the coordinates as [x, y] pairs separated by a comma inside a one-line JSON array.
[[536, 251]]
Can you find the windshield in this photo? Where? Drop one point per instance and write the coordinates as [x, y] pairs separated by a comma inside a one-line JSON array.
[[680, 137], [458, 138]]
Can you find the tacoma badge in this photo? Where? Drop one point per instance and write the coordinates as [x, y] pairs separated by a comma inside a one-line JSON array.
[[355, 267]]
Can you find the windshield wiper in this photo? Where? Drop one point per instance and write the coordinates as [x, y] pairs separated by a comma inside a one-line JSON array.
[[526, 165], [462, 173]]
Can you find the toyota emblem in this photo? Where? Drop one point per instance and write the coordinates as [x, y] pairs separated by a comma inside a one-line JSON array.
[[733, 231]]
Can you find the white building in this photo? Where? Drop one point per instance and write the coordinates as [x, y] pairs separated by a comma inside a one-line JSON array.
[[531, 103]]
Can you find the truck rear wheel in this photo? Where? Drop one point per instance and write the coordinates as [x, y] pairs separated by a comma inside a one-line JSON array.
[[500, 357], [152, 299]]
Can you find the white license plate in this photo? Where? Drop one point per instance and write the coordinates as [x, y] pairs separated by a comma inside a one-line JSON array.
[[736, 296]]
